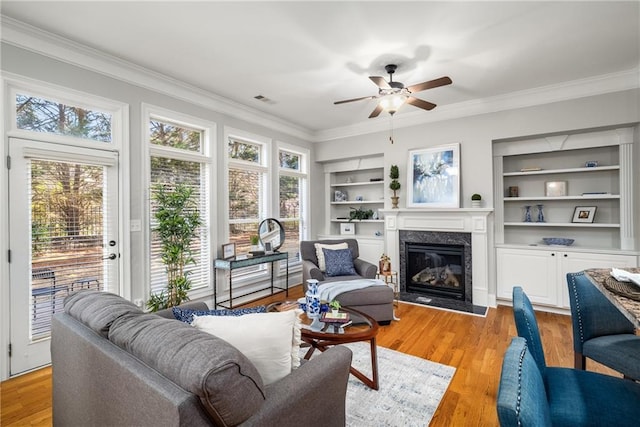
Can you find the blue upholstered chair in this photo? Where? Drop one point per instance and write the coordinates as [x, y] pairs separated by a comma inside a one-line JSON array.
[[532, 394], [600, 331]]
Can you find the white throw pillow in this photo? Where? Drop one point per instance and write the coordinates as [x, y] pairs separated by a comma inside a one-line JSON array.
[[271, 341], [320, 255]]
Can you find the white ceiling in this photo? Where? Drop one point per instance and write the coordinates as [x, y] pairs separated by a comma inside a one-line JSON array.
[[305, 55]]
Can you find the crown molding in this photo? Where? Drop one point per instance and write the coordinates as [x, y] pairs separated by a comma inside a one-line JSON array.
[[31, 38], [36, 40], [592, 86]]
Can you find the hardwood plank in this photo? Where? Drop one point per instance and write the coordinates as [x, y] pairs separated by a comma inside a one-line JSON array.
[[473, 344]]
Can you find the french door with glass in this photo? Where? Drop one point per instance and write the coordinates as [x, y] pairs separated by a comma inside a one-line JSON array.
[[63, 218]]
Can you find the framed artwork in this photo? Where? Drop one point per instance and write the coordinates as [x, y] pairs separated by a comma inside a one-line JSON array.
[[347, 228], [228, 250], [584, 214], [433, 177]]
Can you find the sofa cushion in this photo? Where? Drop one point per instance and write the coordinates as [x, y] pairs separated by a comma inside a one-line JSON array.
[[320, 253], [228, 385], [339, 262], [270, 340], [186, 314], [98, 309]]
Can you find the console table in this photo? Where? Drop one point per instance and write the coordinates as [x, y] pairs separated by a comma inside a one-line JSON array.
[[235, 263]]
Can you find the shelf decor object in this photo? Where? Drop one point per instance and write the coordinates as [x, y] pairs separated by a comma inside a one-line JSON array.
[[527, 214], [584, 214], [340, 196], [557, 241], [540, 213], [555, 188], [228, 250], [433, 177], [347, 228]]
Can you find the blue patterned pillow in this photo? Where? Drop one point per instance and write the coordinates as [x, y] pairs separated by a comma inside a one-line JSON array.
[[186, 314], [339, 262]]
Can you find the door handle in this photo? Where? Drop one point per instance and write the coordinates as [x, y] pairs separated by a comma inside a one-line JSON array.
[[111, 256]]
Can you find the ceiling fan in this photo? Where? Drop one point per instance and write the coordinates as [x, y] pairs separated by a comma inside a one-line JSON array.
[[393, 95]]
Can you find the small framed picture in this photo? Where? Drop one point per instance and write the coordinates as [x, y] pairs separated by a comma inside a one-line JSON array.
[[347, 228], [584, 214], [228, 250], [555, 188]]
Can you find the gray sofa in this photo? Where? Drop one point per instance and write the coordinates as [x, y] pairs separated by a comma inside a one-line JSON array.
[[375, 301], [114, 365]]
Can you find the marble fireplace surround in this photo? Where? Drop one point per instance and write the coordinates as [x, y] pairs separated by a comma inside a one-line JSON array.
[[464, 220]]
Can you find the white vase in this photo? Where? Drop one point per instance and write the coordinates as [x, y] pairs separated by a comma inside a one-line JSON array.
[[476, 203]]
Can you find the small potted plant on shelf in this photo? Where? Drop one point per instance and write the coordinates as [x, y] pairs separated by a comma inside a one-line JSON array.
[[335, 306], [476, 201], [394, 185]]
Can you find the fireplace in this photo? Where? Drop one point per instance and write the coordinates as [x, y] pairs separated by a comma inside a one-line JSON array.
[[436, 266], [435, 269]]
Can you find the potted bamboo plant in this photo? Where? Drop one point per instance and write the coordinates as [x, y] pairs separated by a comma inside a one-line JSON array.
[[178, 222]]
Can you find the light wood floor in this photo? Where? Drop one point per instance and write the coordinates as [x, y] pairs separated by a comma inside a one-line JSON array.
[[473, 345]]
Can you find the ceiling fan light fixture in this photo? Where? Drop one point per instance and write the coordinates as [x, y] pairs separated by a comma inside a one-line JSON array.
[[392, 103]]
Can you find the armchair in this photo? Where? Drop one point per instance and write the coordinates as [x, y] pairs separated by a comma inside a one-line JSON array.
[[600, 331], [375, 301], [311, 265]]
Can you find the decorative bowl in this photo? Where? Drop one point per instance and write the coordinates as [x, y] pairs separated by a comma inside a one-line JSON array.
[[559, 241]]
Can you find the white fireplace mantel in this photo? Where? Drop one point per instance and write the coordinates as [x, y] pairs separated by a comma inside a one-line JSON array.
[[465, 220]]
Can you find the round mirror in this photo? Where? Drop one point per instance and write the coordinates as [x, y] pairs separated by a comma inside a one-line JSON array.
[[271, 234]]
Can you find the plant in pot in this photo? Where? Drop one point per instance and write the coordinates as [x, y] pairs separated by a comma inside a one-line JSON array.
[[360, 214], [394, 185], [476, 201], [335, 306], [178, 221]]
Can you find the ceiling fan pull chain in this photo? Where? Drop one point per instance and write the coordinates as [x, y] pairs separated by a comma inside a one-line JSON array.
[[391, 130]]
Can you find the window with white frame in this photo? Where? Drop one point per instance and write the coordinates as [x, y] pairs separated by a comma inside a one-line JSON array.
[[248, 162], [292, 200], [179, 154]]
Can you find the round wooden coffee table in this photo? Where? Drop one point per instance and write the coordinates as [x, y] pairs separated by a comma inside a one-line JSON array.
[[328, 336]]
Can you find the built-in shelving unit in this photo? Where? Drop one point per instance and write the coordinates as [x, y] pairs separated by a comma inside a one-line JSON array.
[[358, 184], [595, 170]]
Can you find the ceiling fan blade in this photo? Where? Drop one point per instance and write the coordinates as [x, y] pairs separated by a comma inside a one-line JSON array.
[[376, 111], [416, 102], [442, 81], [380, 82], [354, 99]]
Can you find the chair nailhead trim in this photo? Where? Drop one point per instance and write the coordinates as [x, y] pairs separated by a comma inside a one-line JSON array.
[[577, 301], [520, 363]]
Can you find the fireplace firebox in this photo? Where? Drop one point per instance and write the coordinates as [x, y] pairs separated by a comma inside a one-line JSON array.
[[436, 269]]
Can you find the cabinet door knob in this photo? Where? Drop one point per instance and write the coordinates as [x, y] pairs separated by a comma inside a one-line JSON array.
[[565, 255], [553, 254]]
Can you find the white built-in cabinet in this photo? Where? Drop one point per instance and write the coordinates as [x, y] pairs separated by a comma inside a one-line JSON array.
[[530, 164], [362, 180], [542, 273]]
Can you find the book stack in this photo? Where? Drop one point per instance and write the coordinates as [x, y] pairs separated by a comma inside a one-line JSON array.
[[339, 317]]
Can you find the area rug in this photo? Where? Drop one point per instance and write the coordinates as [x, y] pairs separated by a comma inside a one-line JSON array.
[[410, 389]]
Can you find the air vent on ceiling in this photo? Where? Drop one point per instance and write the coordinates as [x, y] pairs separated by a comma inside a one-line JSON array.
[[264, 99]]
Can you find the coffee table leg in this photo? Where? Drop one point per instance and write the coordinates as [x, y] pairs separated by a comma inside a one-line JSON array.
[[373, 381]]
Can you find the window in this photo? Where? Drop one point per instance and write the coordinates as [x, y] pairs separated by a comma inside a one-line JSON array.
[[179, 156], [43, 115], [266, 180], [292, 183], [248, 175]]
